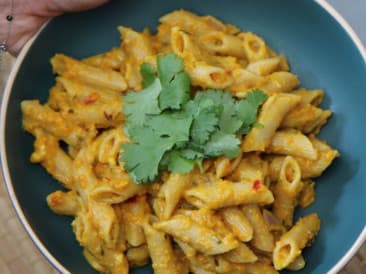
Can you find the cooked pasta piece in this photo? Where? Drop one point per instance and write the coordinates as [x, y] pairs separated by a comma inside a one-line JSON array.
[[239, 224], [222, 193], [271, 116], [287, 190], [262, 237], [290, 245], [172, 191], [203, 239], [111, 59], [160, 249], [72, 68], [313, 97], [133, 213], [292, 142], [64, 203]]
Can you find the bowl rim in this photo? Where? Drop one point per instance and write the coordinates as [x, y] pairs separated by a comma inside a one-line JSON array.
[[5, 168]]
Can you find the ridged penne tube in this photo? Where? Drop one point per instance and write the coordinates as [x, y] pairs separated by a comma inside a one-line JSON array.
[[222, 193], [116, 191], [265, 67], [98, 115], [172, 191], [86, 234], [221, 43], [198, 236], [49, 154], [36, 115], [262, 237], [133, 213], [287, 190], [208, 218], [104, 219], [307, 194], [138, 256], [183, 46], [71, 68], [270, 116], [137, 47], [275, 225], [109, 261], [244, 81], [160, 249], [291, 244], [205, 75], [250, 168], [86, 94], [254, 46], [312, 97], [239, 224], [309, 168], [111, 59], [58, 99], [241, 254], [93, 261], [280, 82], [64, 203], [196, 259], [292, 142], [135, 44], [225, 166], [192, 23], [306, 118]]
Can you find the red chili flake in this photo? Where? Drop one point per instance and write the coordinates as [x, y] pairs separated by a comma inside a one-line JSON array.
[[257, 185], [90, 99], [229, 72]]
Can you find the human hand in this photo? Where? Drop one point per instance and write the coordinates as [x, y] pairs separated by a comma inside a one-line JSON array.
[[29, 15]]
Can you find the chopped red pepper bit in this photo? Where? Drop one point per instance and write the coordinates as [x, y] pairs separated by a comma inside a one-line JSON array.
[[257, 185]]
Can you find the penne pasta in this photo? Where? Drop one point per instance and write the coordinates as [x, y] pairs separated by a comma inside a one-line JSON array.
[[198, 236], [271, 116], [290, 245], [222, 193], [292, 142], [72, 68]]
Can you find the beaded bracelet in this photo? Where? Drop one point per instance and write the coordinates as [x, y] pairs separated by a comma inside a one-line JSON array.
[[4, 44]]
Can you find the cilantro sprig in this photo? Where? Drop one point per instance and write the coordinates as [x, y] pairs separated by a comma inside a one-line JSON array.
[[171, 130]]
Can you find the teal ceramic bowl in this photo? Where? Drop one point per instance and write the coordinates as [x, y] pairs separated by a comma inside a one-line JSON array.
[[323, 51]]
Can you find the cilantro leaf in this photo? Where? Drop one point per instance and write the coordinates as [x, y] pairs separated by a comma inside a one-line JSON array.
[[148, 74], [248, 109], [136, 105], [228, 122], [222, 144], [141, 159], [174, 80], [256, 97], [168, 66], [205, 122], [177, 163], [172, 125]]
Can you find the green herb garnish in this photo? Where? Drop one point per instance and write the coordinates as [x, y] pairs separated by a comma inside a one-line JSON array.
[[170, 130]]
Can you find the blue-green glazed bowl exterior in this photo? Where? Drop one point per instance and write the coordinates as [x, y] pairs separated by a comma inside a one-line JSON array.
[[320, 52]]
